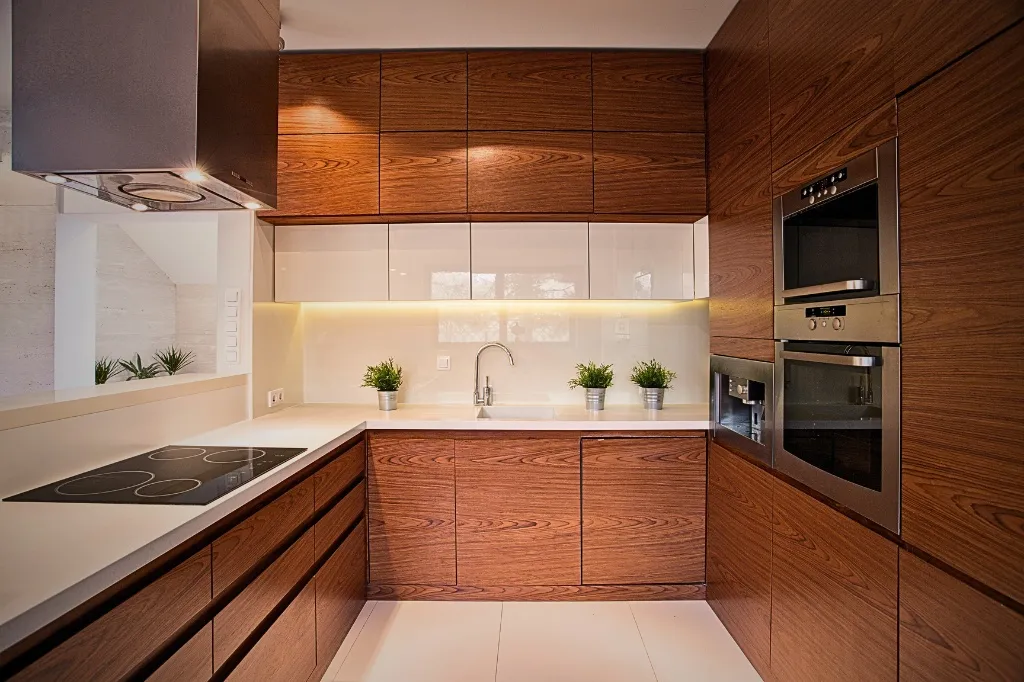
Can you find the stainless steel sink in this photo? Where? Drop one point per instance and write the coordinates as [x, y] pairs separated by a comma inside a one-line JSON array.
[[515, 412]]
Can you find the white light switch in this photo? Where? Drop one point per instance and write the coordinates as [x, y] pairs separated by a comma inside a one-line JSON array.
[[231, 357], [444, 362], [233, 296], [231, 340], [231, 326], [231, 311]]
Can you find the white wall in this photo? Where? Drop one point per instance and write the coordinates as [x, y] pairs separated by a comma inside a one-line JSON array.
[[547, 339]]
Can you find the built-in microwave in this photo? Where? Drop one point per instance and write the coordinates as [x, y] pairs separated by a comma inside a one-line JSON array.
[[742, 394], [837, 237]]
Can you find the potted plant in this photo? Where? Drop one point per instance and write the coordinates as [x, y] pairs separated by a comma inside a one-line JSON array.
[[387, 379], [172, 360], [653, 379], [595, 379], [106, 369], [137, 370]]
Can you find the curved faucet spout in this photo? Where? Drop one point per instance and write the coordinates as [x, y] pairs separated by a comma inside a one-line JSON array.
[[485, 397]]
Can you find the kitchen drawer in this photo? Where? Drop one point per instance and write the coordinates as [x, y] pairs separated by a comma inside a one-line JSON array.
[[337, 475], [113, 646], [340, 593], [238, 619], [242, 547], [192, 662], [341, 516], [287, 651]]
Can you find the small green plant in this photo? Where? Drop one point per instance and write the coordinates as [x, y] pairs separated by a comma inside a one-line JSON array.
[[387, 376], [652, 375], [137, 370], [592, 375], [172, 360], [106, 369]]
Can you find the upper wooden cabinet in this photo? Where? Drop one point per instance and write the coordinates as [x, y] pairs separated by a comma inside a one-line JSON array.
[[932, 33], [643, 510], [833, 597], [423, 173], [328, 174], [423, 91], [961, 272], [329, 93], [529, 90], [518, 509], [638, 173], [331, 263], [831, 65], [660, 91]]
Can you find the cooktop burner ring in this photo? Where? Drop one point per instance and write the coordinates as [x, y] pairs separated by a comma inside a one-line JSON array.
[[249, 451], [196, 481], [154, 455], [109, 490]]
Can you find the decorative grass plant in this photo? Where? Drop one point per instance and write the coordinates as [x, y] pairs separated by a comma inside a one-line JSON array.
[[592, 375], [651, 374], [387, 376], [106, 369], [137, 370], [172, 360]]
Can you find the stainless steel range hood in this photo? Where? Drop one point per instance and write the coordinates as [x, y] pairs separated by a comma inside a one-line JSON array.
[[151, 104]]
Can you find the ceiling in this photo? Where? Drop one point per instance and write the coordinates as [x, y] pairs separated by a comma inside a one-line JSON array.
[[402, 24]]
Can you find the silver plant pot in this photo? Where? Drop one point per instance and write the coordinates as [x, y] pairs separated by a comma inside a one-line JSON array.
[[387, 400], [654, 398], [595, 398]]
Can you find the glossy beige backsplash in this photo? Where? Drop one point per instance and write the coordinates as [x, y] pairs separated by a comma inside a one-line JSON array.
[[547, 339]]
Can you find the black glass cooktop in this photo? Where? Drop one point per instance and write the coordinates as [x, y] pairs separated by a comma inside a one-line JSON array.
[[175, 474]]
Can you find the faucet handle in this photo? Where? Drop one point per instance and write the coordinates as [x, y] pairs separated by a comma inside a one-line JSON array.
[[488, 392]]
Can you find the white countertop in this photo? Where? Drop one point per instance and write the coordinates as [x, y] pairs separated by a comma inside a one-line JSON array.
[[55, 556]]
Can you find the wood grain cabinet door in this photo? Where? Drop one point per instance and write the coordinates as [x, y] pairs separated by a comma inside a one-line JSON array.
[[518, 510], [192, 662], [328, 174], [639, 173], [423, 91], [411, 482], [649, 90], [287, 651], [340, 594], [643, 510], [739, 571], [423, 173], [329, 93], [834, 592], [336, 476], [961, 272]]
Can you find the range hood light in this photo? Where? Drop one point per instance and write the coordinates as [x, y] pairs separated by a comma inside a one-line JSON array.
[[139, 206], [194, 175], [253, 205], [55, 179]]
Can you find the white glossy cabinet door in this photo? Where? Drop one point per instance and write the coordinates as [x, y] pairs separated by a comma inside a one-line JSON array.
[[701, 260], [331, 263], [530, 261], [429, 262], [631, 261]]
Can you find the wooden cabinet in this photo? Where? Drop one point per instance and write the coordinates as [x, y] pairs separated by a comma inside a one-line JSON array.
[[831, 65], [739, 570], [329, 93], [529, 90], [950, 632], [193, 661], [531, 172], [121, 640], [636, 261], [834, 591], [649, 90], [340, 594], [333, 478], [643, 510], [411, 481], [638, 173], [518, 509], [961, 272], [331, 263], [429, 261], [423, 173], [328, 174], [530, 261], [287, 651], [338, 519], [423, 91]]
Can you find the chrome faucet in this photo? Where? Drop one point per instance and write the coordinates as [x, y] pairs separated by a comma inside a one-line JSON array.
[[486, 397]]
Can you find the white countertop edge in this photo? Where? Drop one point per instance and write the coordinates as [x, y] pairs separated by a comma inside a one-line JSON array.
[[533, 425]]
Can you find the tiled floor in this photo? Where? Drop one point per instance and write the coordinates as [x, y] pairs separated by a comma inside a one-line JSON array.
[[539, 641]]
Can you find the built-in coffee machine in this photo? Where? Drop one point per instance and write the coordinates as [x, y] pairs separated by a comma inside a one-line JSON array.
[[742, 393]]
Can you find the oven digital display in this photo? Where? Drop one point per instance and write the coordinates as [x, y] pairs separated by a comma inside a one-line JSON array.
[[826, 311]]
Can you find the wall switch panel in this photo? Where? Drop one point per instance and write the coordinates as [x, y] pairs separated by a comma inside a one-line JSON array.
[[444, 362]]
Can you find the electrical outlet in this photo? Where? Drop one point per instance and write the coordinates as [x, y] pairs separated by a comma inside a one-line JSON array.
[[444, 362], [275, 397], [622, 326]]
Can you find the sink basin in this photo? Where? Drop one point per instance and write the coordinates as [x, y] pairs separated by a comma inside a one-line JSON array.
[[515, 412]]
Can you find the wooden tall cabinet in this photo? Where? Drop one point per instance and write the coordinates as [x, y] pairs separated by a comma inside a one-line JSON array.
[[962, 271]]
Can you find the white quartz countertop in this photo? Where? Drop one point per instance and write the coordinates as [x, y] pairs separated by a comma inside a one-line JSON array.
[[55, 556]]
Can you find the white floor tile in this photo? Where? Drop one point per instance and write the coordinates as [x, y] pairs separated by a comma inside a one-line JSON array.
[[350, 640], [425, 642], [569, 641], [686, 641]]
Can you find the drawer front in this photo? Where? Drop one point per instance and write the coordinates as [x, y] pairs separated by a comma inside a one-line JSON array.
[[118, 642], [341, 516], [192, 662], [246, 611], [337, 475], [340, 593], [242, 547], [287, 651]]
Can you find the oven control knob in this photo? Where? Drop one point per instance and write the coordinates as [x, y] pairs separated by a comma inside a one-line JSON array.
[[812, 324], [812, 199], [832, 190], [837, 323]]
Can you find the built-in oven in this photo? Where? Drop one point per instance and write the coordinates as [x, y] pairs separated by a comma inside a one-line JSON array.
[[742, 393], [837, 237]]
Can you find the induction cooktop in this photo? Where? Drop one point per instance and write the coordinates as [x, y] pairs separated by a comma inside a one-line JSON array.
[[175, 474]]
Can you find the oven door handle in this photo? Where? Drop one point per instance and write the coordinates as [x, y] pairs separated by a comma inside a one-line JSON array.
[[831, 288], [844, 360]]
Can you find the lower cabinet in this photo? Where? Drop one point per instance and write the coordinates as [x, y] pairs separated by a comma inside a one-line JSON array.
[[739, 572], [192, 662], [287, 651], [643, 510], [834, 595], [518, 509], [340, 595]]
